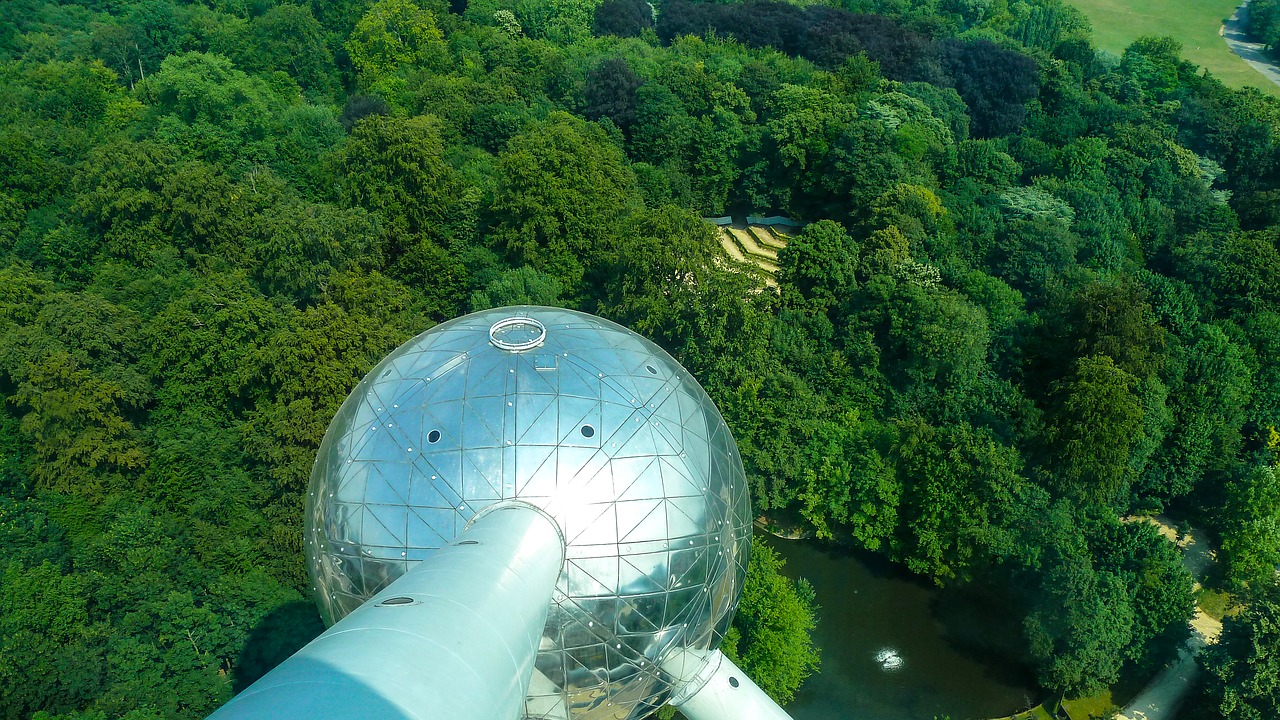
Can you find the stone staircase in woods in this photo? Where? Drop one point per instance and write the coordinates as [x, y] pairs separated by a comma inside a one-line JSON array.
[[755, 243]]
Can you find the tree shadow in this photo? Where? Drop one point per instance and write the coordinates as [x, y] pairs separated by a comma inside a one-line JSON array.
[[985, 624], [281, 633]]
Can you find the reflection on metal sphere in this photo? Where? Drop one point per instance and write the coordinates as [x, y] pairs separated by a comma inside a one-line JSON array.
[[580, 417]]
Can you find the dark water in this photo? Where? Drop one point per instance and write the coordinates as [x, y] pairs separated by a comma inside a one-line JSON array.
[[886, 654]]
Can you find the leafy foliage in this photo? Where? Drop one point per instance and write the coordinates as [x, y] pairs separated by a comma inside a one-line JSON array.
[[1242, 669], [770, 634], [624, 18], [1036, 290], [394, 33]]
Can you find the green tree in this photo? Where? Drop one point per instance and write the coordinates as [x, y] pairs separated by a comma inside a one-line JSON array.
[[560, 21], [50, 650], [297, 246], [76, 423], [1114, 319], [201, 346], [521, 286], [210, 109], [1263, 333], [848, 488], [1095, 419], [1243, 670], [961, 493], [933, 341], [803, 129], [1160, 587], [76, 392], [1207, 396], [1251, 528], [1155, 63], [819, 265], [11, 217], [119, 195], [1080, 627], [396, 167], [394, 33], [771, 636], [288, 38], [562, 190]]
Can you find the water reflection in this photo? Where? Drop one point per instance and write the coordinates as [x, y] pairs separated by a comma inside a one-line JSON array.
[[886, 655]]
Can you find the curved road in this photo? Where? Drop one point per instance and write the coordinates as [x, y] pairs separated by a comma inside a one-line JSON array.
[[1240, 44]]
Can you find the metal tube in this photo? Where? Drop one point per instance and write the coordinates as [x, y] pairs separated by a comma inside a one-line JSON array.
[[720, 690], [454, 638]]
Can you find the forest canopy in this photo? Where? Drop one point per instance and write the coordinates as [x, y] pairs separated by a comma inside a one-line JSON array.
[[1037, 292]]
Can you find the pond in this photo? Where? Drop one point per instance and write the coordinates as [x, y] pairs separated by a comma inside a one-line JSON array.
[[889, 648]]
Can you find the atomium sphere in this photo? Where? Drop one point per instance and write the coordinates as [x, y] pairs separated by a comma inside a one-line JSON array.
[[583, 418]]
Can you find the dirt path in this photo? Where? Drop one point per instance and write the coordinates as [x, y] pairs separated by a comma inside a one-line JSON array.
[[1251, 52], [1160, 699]]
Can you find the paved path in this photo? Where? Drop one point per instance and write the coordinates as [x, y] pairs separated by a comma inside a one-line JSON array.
[[1251, 52], [1160, 699]]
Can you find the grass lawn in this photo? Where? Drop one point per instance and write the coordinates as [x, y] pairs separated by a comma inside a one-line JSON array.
[[1194, 23], [1036, 713], [1215, 603], [1096, 706]]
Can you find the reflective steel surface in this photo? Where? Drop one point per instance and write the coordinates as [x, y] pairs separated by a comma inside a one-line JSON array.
[[573, 414]]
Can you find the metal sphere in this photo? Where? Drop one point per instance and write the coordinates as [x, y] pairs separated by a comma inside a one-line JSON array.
[[574, 414]]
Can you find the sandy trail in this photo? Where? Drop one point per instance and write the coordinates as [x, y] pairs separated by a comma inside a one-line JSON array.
[[1160, 699]]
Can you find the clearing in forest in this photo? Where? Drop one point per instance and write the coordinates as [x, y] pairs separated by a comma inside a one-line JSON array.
[[1194, 23], [755, 245]]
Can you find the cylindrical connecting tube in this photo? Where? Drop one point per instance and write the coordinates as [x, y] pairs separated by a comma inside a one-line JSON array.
[[455, 637], [719, 690]]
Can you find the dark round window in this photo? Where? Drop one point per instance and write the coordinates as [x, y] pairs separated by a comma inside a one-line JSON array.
[[652, 370], [733, 681], [433, 437], [588, 431], [398, 601]]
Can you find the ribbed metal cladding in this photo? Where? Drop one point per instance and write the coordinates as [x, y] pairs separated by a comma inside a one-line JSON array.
[[454, 638]]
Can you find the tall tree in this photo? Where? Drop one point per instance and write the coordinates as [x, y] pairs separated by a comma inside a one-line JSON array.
[[394, 33], [1095, 419], [819, 265], [396, 167], [995, 83], [1251, 528], [562, 189]]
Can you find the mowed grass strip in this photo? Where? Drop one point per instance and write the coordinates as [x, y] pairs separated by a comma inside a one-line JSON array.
[[1194, 23]]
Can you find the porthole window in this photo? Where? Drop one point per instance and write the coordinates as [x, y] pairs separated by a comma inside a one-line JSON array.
[[433, 437], [733, 681], [652, 370], [588, 431]]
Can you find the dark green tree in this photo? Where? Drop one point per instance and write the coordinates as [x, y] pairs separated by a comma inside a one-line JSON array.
[[562, 190], [1094, 421], [1242, 670]]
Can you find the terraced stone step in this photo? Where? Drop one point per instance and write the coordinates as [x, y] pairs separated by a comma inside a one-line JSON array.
[[729, 244], [768, 237], [730, 247], [771, 268], [748, 242]]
